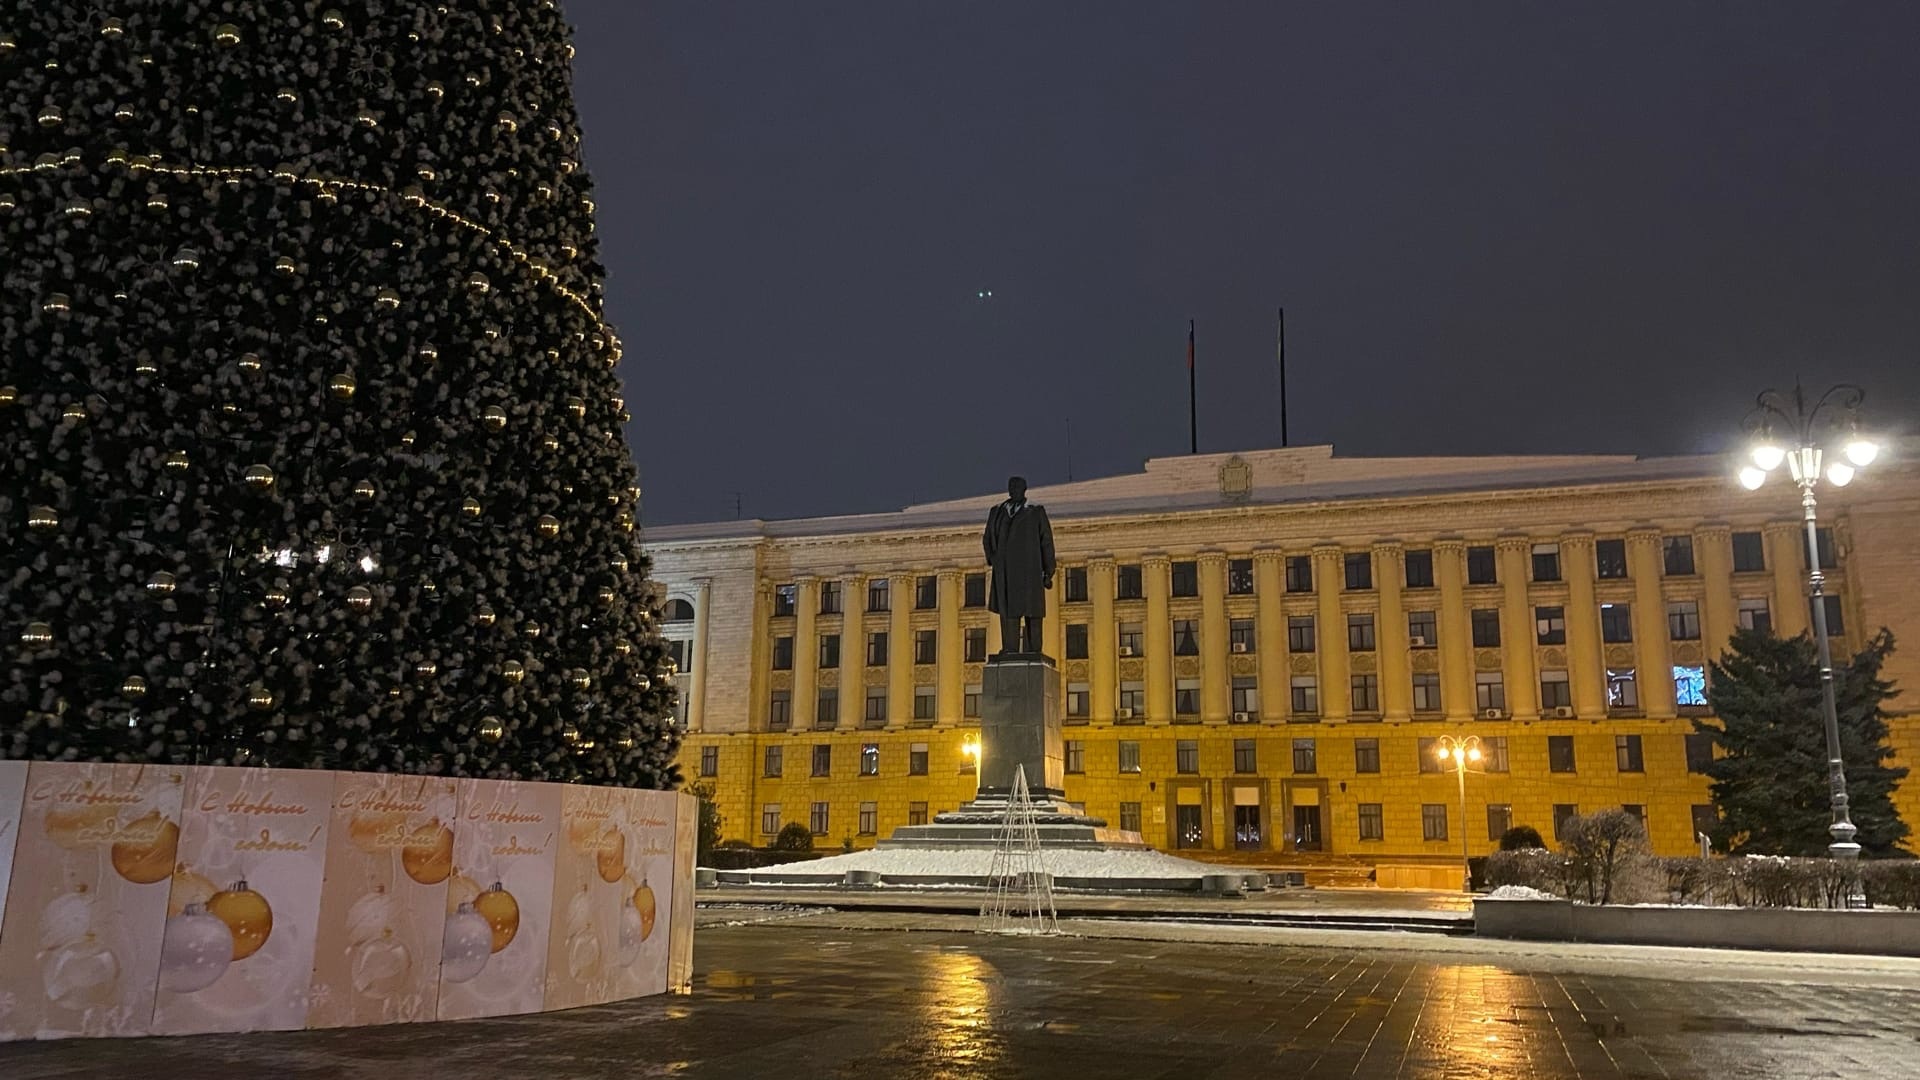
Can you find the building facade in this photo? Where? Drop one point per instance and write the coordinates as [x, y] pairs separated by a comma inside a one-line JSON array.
[[1262, 651]]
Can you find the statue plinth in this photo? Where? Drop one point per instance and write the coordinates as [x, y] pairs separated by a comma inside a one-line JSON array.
[[1021, 707]]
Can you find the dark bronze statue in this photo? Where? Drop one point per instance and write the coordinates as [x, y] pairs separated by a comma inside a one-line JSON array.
[[1019, 544]]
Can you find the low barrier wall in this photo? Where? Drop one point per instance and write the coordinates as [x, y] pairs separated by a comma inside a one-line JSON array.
[[165, 900], [1877, 933]]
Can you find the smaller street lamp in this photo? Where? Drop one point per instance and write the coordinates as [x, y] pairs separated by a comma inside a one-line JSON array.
[[970, 749], [1459, 751]]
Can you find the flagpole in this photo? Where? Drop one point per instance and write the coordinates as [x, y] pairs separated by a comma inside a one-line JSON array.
[[1193, 414], [1281, 348]]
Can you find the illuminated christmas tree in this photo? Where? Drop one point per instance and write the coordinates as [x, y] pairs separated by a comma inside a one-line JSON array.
[[312, 427]]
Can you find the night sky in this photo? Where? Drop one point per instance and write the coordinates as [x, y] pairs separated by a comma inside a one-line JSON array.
[[1494, 227]]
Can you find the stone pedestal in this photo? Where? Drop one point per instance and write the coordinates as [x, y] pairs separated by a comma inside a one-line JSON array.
[[1021, 707]]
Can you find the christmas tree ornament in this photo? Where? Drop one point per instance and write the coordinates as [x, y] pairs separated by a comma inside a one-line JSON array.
[[74, 413], [577, 407], [364, 490], [246, 913], [428, 855], [160, 583], [619, 563], [259, 698], [610, 857], [510, 670], [425, 670], [386, 300], [484, 616], [47, 519], [342, 386], [133, 687], [360, 598], [464, 945], [226, 35], [428, 352], [502, 913], [8, 395], [186, 260], [143, 852], [37, 633], [580, 679], [491, 729], [258, 478], [548, 526], [495, 418], [470, 507], [549, 443], [249, 363], [478, 282], [275, 599], [195, 951], [177, 461]]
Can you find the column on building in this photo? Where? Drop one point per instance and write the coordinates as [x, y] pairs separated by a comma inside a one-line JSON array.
[[1456, 638], [1216, 688], [899, 650], [1517, 631], [1103, 645], [1713, 547], [1390, 631], [1586, 662], [697, 703], [952, 655], [1786, 543], [806, 650], [1653, 675], [1157, 635], [1270, 634], [1330, 626], [760, 678], [853, 650]]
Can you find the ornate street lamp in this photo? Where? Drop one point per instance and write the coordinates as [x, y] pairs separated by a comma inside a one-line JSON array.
[[1457, 752], [1786, 429]]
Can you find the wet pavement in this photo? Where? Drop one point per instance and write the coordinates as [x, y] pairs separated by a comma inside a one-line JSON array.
[[795, 997]]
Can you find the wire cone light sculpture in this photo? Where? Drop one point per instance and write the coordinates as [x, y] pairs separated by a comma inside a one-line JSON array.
[[1020, 888]]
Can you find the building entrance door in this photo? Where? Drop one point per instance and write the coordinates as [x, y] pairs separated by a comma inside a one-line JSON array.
[[1246, 828], [1189, 829], [1306, 828]]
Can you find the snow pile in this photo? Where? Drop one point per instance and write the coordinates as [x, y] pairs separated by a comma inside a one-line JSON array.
[[956, 864], [1519, 892]]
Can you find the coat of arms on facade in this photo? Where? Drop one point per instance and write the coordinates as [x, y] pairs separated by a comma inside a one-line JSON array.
[[1236, 479]]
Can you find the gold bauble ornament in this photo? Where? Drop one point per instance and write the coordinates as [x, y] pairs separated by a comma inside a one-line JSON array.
[[186, 259], [258, 477], [43, 519], [386, 300], [577, 407], [478, 282], [342, 386], [491, 729], [51, 117], [512, 671], [484, 617], [625, 520], [57, 303], [570, 732], [177, 461], [611, 858], [37, 633], [275, 599], [365, 491], [407, 439], [502, 912], [112, 27], [188, 888], [549, 443], [360, 598], [428, 352], [133, 686], [624, 648], [580, 679], [74, 413], [532, 630], [160, 584], [8, 395], [333, 20], [470, 507], [643, 903], [77, 208], [495, 418], [284, 266], [605, 597], [619, 562], [428, 855], [157, 202], [246, 914], [435, 90], [506, 122], [259, 698], [144, 850], [226, 35], [249, 363], [425, 669], [366, 118], [548, 525], [286, 96]]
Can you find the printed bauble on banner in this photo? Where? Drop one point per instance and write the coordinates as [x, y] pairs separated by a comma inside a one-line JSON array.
[[197, 949], [466, 946]]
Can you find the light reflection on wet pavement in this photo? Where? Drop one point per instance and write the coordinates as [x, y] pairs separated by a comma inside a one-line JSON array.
[[791, 1001]]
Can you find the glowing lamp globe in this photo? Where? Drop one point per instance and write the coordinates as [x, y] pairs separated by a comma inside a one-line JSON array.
[[1861, 452], [1751, 478], [1840, 474], [1768, 455]]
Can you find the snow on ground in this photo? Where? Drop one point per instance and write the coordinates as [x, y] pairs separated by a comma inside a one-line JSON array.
[[1519, 892], [978, 862]]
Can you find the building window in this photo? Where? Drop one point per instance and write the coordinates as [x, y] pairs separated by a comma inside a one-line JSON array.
[[1186, 756], [817, 820], [970, 701], [926, 646], [869, 818], [876, 714], [1550, 625], [677, 610], [680, 655], [1130, 639], [774, 762], [1499, 820], [1560, 753], [780, 710], [1756, 614], [1300, 633], [1430, 759], [1749, 553], [1823, 544], [1546, 562], [709, 761], [1360, 633], [1622, 691], [1245, 759], [1493, 753], [770, 818], [1699, 752], [1130, 817], [783, 653], [1129, 756], [1133, 701], [823, 759], [1616, 623], [1677, 556], [1076, 756], [1555, 691], [1246, 696], [1299, 573], [1127, 582], [1240, 636], [1240, 577], [1831, 606], [1480, 567], [974, 644], [1423, 629], [830, 598], [1426, 691], [785, 599], [1186, 579], [877, 648], [1639, 811], [1076, 584], [1610, 559], [1433, 821], [826, 709], [1562, 814], [1486, 628], [917, 813], [877, 594], [1306, 758], [976, 591], [1690, 686], [1705, 819], [1305, 696], [926, 592], [917, 759], [926, 703], [1078, 704], [1683, 620], [1366, 755], [1186, 637], [1359, 567], [829, 650], [1419, 569], [1489, 691], [1626, 754], [1186, 697], [1366, 693], [1370, 818], [1076, 641]]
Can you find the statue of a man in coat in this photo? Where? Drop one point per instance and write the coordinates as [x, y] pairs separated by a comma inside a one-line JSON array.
[[1019, 544]]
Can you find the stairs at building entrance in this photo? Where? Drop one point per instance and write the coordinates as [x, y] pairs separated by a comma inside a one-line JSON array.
[[1317, 869]]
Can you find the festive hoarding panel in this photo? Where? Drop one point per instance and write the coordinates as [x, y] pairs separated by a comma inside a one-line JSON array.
[[13, 793], [686, 835], [498, 908]]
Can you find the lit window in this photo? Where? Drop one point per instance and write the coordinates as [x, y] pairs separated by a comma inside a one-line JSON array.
[[1689, 686]]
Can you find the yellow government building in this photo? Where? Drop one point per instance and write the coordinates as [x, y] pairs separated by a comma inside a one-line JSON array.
[[1261, 651]]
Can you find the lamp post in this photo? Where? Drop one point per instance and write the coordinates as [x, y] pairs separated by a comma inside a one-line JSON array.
[[1786, 429], [970, 749], [1459, 751]]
